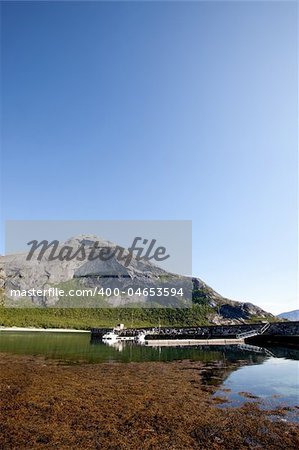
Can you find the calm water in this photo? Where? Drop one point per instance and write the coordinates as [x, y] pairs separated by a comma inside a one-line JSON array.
[[274, 382], [272, 375]]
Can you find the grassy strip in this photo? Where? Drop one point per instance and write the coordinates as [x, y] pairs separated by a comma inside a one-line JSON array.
[[86, 318]]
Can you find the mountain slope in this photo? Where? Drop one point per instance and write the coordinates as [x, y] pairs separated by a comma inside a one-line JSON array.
[[18, 273]]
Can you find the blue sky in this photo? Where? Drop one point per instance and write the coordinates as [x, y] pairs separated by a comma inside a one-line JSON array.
[[157, 110]]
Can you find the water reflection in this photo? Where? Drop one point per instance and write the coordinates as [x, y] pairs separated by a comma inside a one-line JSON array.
[[273, 383], [271, 374], [78, 347]]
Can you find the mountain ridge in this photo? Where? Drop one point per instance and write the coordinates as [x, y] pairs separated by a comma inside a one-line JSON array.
[[18, 273]]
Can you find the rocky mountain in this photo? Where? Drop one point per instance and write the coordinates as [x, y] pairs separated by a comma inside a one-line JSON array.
[[119, 272], [290, 315]]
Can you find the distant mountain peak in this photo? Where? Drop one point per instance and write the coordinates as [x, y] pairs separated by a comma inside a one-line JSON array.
[[290, 315]]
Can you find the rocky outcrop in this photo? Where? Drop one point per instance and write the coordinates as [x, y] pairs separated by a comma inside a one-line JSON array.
[[241, 311]]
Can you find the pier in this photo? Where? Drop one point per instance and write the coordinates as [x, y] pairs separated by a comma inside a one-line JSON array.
[[182, 342], [276, 333]]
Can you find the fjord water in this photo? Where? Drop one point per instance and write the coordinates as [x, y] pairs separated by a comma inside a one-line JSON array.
[[269, 374], [80, 348], [274, 382]]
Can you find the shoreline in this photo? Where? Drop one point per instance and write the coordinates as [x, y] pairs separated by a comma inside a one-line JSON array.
[[47, 330]]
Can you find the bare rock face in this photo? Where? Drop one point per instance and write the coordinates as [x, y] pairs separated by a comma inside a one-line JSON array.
[[2, 276], [241, 311], [16, 272]]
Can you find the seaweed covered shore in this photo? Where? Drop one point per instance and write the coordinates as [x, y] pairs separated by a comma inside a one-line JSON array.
[[50, 405]]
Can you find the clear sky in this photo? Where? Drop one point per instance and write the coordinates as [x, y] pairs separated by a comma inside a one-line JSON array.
[[160, 110]]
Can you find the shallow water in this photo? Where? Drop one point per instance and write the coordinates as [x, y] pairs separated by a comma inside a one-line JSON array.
[[274, 383], [271, 375]]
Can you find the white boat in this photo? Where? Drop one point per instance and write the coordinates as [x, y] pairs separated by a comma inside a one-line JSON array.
[[111, 336], [114, 337]]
